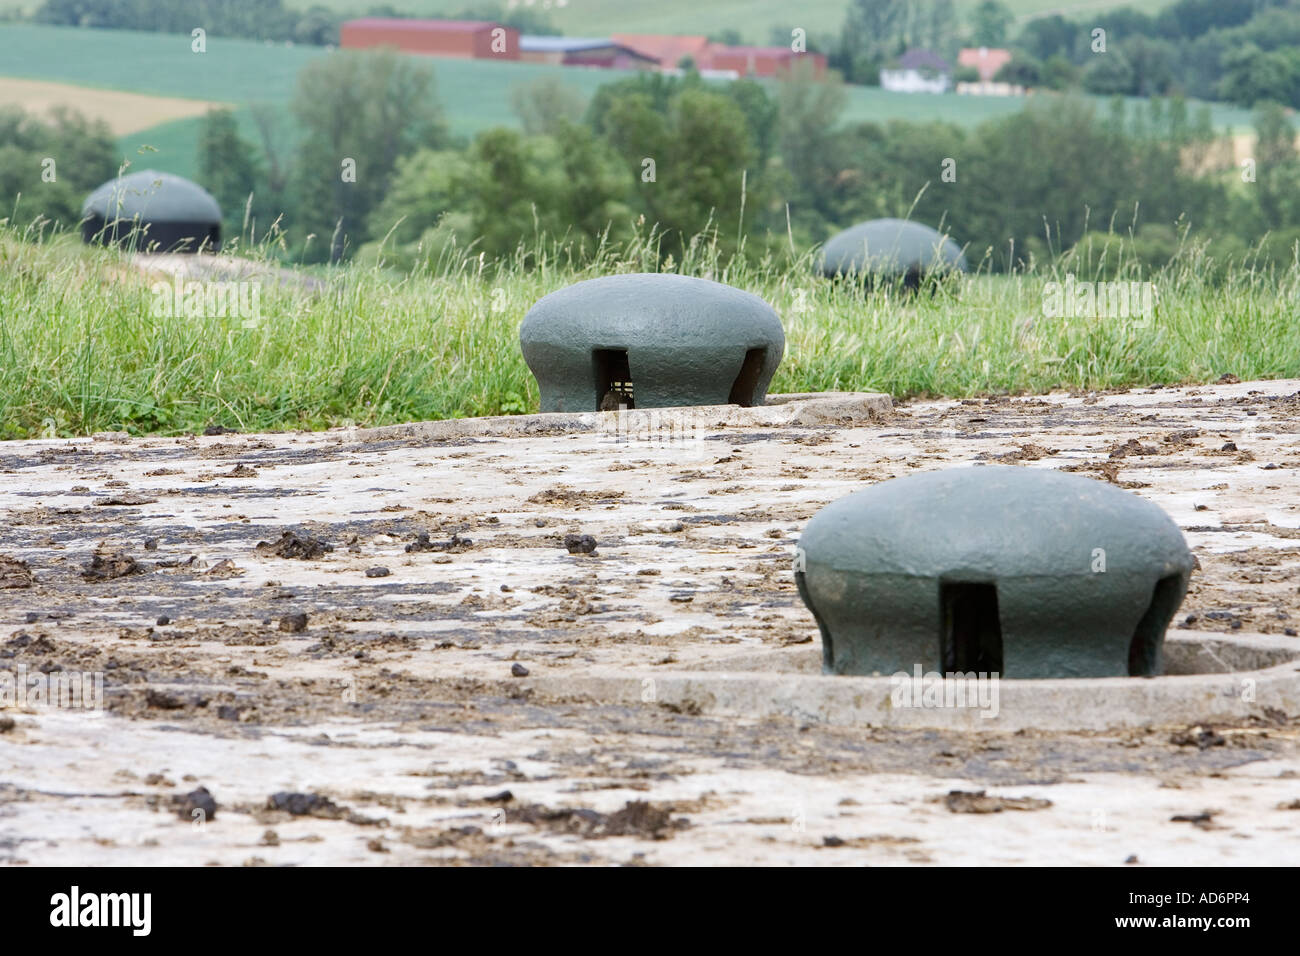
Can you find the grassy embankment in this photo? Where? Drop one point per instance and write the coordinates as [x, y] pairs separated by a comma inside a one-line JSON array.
[[81, 349]]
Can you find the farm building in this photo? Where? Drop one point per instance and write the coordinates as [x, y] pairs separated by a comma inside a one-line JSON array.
[[667, 50], [761, 60], [986, 61], [918, 71], [575, 51], [484, 39], [461, 39]]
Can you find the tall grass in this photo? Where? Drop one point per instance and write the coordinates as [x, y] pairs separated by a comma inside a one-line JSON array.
[[81, 351]]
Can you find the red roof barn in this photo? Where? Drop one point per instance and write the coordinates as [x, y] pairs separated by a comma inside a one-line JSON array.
[[465, 39], [761, 60], [575, 51], [667, 49]]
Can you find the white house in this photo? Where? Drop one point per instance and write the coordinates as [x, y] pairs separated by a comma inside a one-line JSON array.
[[918, 71]]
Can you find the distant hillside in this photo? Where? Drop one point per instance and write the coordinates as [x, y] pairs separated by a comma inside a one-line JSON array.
[[752, 19], [475, 94]]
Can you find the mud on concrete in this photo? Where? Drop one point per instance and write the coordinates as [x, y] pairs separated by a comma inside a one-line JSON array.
[[388, 702]]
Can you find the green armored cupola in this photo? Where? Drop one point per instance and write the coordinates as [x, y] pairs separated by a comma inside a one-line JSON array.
[[1017, 571], [651, 341], [891, 248]]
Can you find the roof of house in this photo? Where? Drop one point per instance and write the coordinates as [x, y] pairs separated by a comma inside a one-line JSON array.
[[438, 26], [763, 51], [988, 60], [917, 59], [541, 44], [665, 48]]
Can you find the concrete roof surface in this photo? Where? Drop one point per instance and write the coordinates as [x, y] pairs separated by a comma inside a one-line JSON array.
[[395, 705]]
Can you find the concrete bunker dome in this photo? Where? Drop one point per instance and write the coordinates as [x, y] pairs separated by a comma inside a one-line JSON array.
[[651, 341], [152, 210], [886, 248], [1024, 572]]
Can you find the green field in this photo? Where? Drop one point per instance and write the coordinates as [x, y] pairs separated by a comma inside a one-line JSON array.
[[753, 19], [475, 93], [869, 103], [82, 348]]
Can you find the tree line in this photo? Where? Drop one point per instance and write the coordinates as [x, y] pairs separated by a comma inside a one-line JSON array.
[[771, 168], [1240, 51], [252, 19], [372, 171]]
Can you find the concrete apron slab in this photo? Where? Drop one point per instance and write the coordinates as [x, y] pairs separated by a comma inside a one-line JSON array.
[[1095, 704], [395, 700], [1098, 704], [794, 409]]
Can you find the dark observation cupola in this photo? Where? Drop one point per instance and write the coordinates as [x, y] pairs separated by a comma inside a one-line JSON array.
[[891, 249], [152, 211]]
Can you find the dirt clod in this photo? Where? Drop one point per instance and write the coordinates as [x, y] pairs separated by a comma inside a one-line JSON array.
[[225, 568], [977, 801], [162, 700], [127, 500], [196, 805], [637, 818], [291, 545], [294, 623], [1203, 820], [14, 573], [1133, 447], [306, 805], [1199, 737], [105, 566], [455, 544], [580, 544]]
